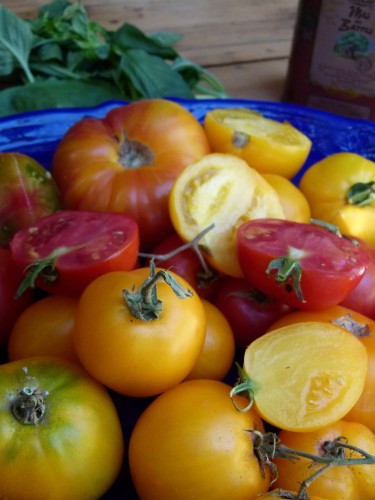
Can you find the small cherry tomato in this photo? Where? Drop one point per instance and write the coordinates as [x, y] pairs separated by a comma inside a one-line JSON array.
[[217, 355], [45, 328], [249, 311], [303, 265], [139, 332], [63, 252], [191, 442]]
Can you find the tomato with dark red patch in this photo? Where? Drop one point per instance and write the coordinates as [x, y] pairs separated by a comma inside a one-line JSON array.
[[65, 251], [304, 265]]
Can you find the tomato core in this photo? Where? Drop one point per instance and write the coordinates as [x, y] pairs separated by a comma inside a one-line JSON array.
[[29, 406], [135, 154]]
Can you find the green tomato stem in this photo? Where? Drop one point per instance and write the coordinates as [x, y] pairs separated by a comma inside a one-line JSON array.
[[361, 194]]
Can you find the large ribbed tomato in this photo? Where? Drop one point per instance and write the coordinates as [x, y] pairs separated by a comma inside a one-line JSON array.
[[128, 161]]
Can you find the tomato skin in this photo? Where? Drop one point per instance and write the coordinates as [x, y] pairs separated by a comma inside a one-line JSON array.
[[75, 451], [201, 448], [131, 356], [27, 192], [94, 172], [88, 244], [362, 297], [248, 311], [45, 328], [10, 308], [338, 483], [331, 266]]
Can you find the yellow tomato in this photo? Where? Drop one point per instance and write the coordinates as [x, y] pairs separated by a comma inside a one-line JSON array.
[[217, 355], [305, 375], [45, 328], [294, 202], [340, 190], [223, 190], [355, 482], [267, 145], [364, 328]]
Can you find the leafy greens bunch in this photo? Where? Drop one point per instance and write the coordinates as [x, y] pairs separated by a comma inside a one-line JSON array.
[[63, 59]]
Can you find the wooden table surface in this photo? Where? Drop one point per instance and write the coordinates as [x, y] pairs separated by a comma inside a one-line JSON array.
[[245, 43]]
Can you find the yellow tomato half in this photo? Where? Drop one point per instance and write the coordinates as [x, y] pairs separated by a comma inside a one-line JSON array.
[[305, 375], [267, 145], [223, 190]]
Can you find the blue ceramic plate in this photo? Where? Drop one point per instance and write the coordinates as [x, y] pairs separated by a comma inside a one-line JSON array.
[[37, 133]]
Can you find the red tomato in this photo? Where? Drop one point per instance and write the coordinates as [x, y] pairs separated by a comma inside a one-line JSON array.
[[187, 265], [303, 265], [76, 247], [10, 308], [249, 311], [128, 161], [27, 192], [362, 298]]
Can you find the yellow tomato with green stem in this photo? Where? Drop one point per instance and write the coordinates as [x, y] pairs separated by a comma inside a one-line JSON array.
[[340, 190]]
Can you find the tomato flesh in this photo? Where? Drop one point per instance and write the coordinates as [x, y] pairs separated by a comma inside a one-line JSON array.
[[86, 245]]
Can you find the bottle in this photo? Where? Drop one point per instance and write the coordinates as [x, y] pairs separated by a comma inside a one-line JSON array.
[[332, 63]]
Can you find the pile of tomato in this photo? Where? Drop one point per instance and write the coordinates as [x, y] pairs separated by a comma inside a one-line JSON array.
[[180, 320]]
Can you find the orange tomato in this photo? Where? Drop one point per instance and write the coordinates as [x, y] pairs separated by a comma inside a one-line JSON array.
[[217, 355], [45, 328]]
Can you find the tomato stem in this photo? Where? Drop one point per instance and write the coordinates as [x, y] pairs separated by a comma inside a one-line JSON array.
[[244, 386], [361, 194], [288, 270], [268, 446], [144, 304], [29, 407]]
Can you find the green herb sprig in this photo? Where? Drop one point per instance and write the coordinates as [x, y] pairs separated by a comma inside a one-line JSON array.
[[61, 58]]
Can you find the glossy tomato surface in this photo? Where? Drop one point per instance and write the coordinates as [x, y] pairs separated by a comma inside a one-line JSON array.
[[60, 432], [128, 161], [304, 265], [10, 308], [76, 246]]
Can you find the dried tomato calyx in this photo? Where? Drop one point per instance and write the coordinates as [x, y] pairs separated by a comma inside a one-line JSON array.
[[144, 303], [287, 271], [135, 154], [29, 406], [361, 194]]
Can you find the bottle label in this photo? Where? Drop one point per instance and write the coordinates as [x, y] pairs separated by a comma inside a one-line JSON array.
[[343, 56]]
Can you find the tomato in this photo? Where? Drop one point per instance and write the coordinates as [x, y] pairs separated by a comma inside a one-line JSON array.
[[364, 328], [191, 442], [217, 355], [338, 483], [27, 192], [45, 328], [362, 297], [249, 311], [340, 190], [303, 265], [188, 265], [305, 375], [267, 145], [134, 342], [10, 308], [128, 161], [287, 495], [65, 251], [220, 190], [294, 202], [60, 434]]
